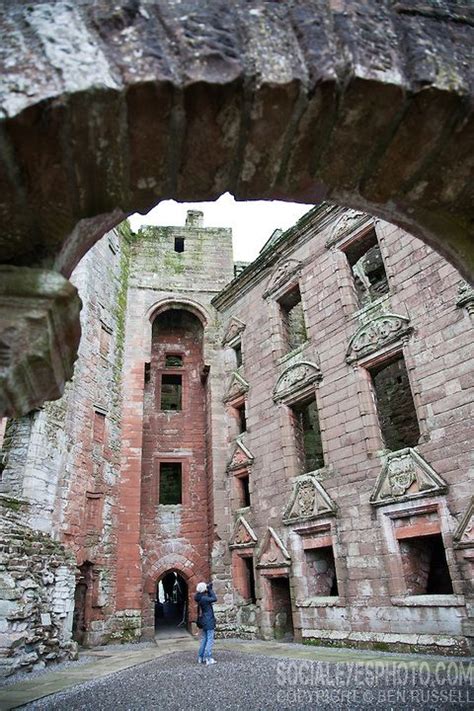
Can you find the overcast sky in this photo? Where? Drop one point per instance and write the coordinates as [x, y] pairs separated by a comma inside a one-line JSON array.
[[252, 222]]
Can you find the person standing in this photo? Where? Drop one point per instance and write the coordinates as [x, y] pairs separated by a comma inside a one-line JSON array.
[[205, 597]]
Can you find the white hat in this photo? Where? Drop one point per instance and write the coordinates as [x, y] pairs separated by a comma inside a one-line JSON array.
[[201, 587]]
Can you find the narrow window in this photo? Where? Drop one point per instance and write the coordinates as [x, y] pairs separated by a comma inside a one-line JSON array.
[[250, 580], [105, 340], [292, 318], [241, 419], [179, 244], [395, 406], [243, 490], [321, 572], [93, 511], [368, 270], [171, 392], [98, 431], [173, 361], [170, 483], [238, 354], [308, 435], [424, 565], [147, 372]]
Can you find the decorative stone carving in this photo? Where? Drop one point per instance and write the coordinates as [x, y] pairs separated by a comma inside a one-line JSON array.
[[234, 329], [281, 275], [309, 500], [241, 457], [243, 536], [464, 534], [295, 379], [39, 337], [378, 332], [347, 223], [466, 298], [237, 387], [272, 553], [406, 475]]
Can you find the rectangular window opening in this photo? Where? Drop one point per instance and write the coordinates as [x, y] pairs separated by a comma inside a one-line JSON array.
[[179, 244], [147, 372], [171, 392], [368, 270], [241, 419], [250, 579], [308, 435], [321, 572], [425, 568], [170, 483], [395, 405], [243, 486], [173, 361], [293, 321], [238, 354], [98, 431]]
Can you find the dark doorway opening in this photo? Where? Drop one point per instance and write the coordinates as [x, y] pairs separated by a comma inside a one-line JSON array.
[[81, 603], [282, 613], [171, 602]]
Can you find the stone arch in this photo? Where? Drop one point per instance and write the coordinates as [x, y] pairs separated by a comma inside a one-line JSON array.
[[297, 102], [170, 304]]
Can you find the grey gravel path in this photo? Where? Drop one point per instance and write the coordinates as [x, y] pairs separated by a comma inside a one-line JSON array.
[[256, 683]]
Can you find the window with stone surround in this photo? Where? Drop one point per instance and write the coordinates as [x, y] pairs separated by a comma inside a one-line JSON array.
[[368, 269], [292, 319], [242, 486], [425, 569], [98, 427], [395, 405], [170, 484], [244, 576], [307, 432], [171, 391], [320, 571], [179, 244]]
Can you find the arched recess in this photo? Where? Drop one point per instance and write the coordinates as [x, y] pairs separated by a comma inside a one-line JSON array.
[[171, 304], [367, 104]]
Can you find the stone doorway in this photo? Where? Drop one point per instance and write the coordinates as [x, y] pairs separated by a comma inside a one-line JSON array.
[[171, 604], [82, 603], [281, 612]]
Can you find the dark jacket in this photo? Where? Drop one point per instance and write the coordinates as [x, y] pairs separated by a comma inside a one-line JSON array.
[[204, 601]]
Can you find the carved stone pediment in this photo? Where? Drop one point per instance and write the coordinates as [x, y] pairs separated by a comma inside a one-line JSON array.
[[466, 297], [237, 386], [347, 223], [234, 329], [309, 500], [243, 535], [282, 274], [404, 476], [241, 457], [272, 553], [376, 333], [295, 380], [464, 534]]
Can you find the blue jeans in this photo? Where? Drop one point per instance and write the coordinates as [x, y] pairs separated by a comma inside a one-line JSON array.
[[207, 642]]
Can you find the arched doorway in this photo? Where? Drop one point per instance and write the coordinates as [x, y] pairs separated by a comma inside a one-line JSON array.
[[171, 604]]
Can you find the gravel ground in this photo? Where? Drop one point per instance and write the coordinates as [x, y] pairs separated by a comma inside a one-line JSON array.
[[257, 683]]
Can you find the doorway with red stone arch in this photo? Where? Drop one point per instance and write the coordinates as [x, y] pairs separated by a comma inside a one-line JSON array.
[[171, 604]]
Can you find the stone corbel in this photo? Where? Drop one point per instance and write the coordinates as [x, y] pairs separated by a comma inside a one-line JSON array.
[[466, 298], [39, 337]]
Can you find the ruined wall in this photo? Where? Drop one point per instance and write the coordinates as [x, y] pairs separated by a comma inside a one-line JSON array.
[[366, 491]]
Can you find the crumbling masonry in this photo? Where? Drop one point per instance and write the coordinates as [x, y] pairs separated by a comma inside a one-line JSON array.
[[300, 433]]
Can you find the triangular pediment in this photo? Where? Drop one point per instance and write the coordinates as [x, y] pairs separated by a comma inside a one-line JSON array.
[[464, 534], [273, 553], [295, 380], [282, 274], [243, 535], [309, 500], [346, 224], [241, 457], [404, 476], [237, 386], [376, 333], [234, 329]]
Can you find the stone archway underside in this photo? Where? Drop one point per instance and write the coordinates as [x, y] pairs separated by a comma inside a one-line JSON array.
[[109, 108]]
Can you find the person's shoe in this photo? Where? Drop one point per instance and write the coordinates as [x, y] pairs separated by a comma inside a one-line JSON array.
[[210, 661], [200, 660]]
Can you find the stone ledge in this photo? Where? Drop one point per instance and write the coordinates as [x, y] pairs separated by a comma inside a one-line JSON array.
[[429, 601]]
